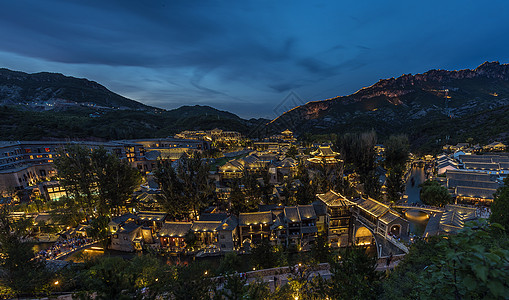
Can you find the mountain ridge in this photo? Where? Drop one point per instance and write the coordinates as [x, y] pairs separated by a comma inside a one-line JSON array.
[[17, 87]]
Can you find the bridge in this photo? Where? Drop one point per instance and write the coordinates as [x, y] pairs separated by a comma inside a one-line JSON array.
[[421, 207]]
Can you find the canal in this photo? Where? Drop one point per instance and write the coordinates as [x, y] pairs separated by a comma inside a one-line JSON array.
[[418, 220]]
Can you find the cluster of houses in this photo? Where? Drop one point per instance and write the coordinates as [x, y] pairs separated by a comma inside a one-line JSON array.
[[26, 163], [492, 147], [344, 221], [472, 178], [214, 135], [452, 219]]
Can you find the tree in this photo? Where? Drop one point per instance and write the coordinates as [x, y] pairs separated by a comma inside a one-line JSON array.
[[95, 180], [320, 250], [432, 193], [358, 150], [99, 229], [171, 190], [354, 276], [264, 255], [74, 168], [396, 155], [239, 202], [396, 151], [500, 206], [292, 152], [115, 179], [186, 189], [395, 185], [22, 273], [470, 265]]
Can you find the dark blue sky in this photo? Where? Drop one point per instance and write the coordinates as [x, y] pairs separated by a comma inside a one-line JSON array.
[[246, 56]]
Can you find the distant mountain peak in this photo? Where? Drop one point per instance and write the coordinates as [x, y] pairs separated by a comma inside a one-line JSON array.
[[20, 88], [399, 101]]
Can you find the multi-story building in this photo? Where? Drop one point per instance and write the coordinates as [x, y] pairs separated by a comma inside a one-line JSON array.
[[23, 163], [338, 219], [255, 226]]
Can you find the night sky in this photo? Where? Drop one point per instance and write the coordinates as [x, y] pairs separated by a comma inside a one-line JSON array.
[[247, 56]]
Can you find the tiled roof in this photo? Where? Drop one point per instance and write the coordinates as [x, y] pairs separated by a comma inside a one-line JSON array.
[[332, 198], [213, 217], [229, 224], [473, 192], [206, 226], [467, 175], [452, 183], [128, 227], [123, 218], [175, 229], [255, 218], [324, 151], [152, 215], [292, 214], [306, 212], [373, 207], [482, 166], [389, 217], [320, 209]]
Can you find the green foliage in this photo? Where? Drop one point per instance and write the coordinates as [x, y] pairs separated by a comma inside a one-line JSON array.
[[99, 229], [395, 184], [320, 250], [264, 255], [354, 276], [186, 189], [229, 263], [433, 193], [21, 274], [396, 151], [396, 155], [500, 206], [471, 265], [292, 152], [115, 180], [240, 202], [95, 180]]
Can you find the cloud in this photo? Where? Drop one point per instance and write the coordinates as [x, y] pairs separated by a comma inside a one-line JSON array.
[[241, 53]]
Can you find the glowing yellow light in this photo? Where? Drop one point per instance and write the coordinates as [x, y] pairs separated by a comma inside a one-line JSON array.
[[56, 282]]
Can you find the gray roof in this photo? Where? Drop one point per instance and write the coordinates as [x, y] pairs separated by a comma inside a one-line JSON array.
[[128, 227], [373, 207], [389, 217], [213, 217], [175, 229], [473, 192], [152, 215], [306, 212], [452, 183], [229, 224], [332, 198], [482, 166], [246, 219], [467, 175], [320, 208], [292, 214], [123, 218], [205, 226]]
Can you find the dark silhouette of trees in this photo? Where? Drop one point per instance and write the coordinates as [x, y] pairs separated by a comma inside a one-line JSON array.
[[500, 206]]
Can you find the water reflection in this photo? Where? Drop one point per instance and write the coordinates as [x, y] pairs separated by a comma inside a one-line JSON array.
[[417, 219]]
